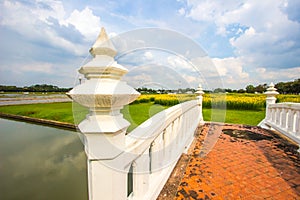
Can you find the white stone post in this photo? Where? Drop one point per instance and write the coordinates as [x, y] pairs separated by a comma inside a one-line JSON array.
[[271, 98], [104, 127], [200, 93]]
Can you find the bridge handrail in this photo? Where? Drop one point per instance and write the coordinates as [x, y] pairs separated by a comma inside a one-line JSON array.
[[285, 118], [154, 147], [282, 117]]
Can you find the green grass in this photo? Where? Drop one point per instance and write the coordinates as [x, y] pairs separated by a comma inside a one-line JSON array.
[[53, 111], [135, 113], [248, 117], [138, 113]]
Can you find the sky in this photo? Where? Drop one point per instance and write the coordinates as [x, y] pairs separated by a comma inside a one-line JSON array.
[[247, 41]]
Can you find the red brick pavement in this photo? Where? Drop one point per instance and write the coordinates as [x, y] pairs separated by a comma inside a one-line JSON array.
[[245, 163]]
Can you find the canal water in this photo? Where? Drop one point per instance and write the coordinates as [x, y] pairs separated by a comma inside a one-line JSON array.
[[38, 162]]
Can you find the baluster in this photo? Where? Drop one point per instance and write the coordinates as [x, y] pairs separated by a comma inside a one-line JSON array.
[[189, 121], [141, 179], [168, 144], [151, 158], [165, 143], [155, 155], [174, 133], [175, 128], [273, 114], [283, 118], [297, 123], [268, 114], [184, 127], [179, 129], [177, 142], [278, 112], [290, 121], [294, 117], [280, 118], [159, 150]]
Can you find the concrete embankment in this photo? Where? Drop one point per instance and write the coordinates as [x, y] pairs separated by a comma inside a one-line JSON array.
[[39, 121]]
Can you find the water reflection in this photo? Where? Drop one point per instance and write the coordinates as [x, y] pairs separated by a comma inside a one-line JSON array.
[[38, 162]]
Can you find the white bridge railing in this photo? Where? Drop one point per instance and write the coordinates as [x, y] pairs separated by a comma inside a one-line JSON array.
[[282, 117], [285, 118], [153, 148], [136, 165]]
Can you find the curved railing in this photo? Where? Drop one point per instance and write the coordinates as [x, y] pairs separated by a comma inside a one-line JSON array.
[[285, 118], [153, 148], [136, 165]]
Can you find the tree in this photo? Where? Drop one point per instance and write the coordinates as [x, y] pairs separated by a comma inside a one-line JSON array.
[[219, 90], [250, 89], [241, 91], [261, 88], [292, 87]]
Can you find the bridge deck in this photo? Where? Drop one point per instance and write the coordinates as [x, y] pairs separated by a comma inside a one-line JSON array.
[[245, 163]]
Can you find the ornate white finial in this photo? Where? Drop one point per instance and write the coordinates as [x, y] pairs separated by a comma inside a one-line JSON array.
[[271, 91], [103, 64], [200, 90], [271, 94], [200, 95], [104, 128], [103, 45], [105, 94]]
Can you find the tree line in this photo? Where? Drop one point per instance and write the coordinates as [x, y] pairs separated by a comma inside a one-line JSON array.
[[165, 91], [34, 88], [291, 87]]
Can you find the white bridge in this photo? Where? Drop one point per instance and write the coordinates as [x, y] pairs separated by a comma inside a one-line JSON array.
[[282, 117], [137, 165]]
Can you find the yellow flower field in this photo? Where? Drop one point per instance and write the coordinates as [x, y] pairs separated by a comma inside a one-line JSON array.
[[235, 101]]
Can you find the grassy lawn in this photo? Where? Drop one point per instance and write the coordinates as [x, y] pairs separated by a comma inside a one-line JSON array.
[[138, 113], [53, 111], [135, 113], [248, 117]]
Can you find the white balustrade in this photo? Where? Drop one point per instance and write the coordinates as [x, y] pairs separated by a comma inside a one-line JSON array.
[[283, 117], [136, 165], [163, 137]]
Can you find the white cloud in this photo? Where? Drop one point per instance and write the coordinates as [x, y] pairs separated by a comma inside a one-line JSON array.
[[231, 71], [179, 63], [263, 75], [55, 9], [181, 11], [148, 55], [250, 31], [156, 75], [192, 80], [260, 70], [37, 67], [35, 22], [85, 22], [254, 37], [263, 29]]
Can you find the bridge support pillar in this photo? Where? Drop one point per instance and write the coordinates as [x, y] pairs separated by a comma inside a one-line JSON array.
[[104, 128], [271, 98]]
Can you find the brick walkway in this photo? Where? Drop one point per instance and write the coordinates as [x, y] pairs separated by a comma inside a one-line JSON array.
[[245, 163]]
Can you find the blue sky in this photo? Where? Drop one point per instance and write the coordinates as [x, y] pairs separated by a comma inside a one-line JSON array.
[[249, 41]]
